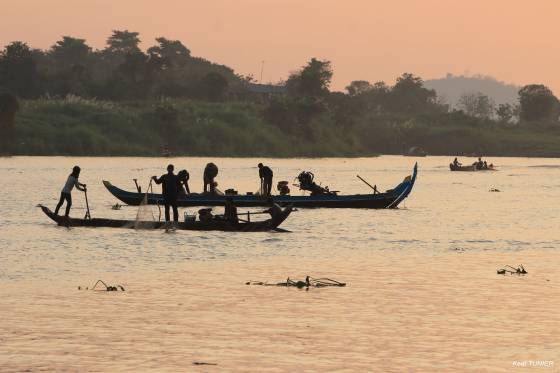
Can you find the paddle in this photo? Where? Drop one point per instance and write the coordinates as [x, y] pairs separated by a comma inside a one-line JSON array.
[[87, 216]]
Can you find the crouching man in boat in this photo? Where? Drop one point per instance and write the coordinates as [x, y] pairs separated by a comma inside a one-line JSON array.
[[230, 211], [265, 174], [210, 173], [170, 189], [65, 194], [456, 163], [184, 176]]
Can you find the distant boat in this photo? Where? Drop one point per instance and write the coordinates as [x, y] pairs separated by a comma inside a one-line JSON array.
[[415, 151], [390, 199], [470, 168], [452, 167]]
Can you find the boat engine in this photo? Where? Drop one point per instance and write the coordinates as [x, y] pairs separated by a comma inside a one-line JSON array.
[[283, 188], [306, 182]]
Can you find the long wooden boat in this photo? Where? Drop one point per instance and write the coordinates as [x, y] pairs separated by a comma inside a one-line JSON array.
[[390, 199], [214, 225]]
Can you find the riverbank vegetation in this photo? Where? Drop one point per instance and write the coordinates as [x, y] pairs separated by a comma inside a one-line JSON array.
[[72, 100]]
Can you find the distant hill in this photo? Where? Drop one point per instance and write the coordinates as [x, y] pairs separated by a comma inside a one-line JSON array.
[[453, 86]]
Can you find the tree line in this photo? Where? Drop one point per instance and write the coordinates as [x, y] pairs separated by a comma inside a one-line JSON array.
[[121, 72]]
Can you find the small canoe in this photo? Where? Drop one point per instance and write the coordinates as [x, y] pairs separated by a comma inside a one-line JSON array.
[[214, 225], [470, 168], [390, 199]]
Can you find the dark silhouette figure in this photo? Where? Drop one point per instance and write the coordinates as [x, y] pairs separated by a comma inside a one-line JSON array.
[[8, 107], [479, 165], [230, 213], [65, 194], [184, 176], [210, 173], [265, 174], [171, 186]]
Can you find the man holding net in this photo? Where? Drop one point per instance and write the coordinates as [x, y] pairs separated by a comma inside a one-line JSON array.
[[170, 189]]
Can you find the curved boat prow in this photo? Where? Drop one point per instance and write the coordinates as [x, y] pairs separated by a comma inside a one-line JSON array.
[[404, 188], [60, 220], [130, 198], [274, 223]]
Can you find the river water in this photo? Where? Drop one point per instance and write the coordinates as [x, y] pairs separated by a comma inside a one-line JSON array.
[[422, 295]]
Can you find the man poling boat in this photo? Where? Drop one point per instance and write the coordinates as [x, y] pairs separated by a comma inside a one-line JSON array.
[[66, 193]]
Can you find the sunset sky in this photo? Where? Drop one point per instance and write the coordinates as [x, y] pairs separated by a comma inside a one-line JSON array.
[[514, 41]]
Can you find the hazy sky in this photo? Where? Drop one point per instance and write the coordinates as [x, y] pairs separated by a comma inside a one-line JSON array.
[[515, 41]]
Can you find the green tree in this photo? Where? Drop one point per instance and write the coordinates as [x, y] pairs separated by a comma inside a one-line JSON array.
[[8, 108], [68, 71], [378, 97], [18, 72], [344, 108], [167, 122], [313, 80], [123, 42], [367, 98], [281, 112], [134, 77], [506, 113], [476, 105], [537, 102], [358, 88], [70, 52], [170, 52], [410, 96], [214, 86]]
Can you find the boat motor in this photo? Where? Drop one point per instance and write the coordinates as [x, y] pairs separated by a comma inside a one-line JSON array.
[[283, 188], [306, 182]]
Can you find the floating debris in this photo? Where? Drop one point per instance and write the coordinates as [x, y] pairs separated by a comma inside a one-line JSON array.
[[203, 363], [107, 287], [116, 206], [307, 283], [520, 270], [494, 190]]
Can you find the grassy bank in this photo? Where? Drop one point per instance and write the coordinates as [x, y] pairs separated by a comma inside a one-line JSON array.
[[144, 129], [83, 127]]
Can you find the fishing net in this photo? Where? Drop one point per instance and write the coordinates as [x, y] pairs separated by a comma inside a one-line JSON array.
[[259, 192], [145, 214]]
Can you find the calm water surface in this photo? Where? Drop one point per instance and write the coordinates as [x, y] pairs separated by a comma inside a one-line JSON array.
[[423, 293]]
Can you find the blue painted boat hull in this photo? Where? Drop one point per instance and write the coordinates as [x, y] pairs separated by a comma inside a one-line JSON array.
[[390, 199]]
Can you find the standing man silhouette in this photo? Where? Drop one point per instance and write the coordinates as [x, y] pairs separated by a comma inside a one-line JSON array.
[[170, 188], [265, 173]]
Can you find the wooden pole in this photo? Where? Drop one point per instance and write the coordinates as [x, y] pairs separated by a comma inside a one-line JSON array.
[[87, 216], [137, 186], [368, 184]]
